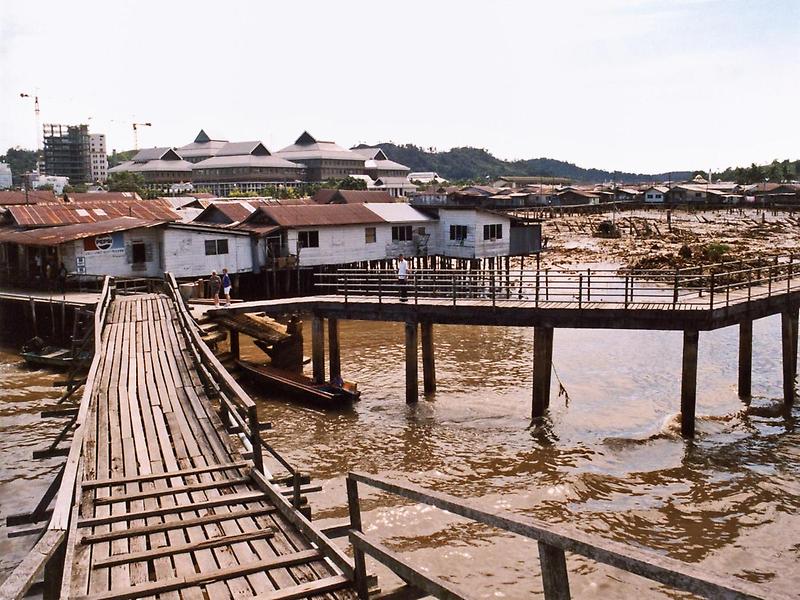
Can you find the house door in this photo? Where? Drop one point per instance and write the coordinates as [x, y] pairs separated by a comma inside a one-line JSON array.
[[139, 252]]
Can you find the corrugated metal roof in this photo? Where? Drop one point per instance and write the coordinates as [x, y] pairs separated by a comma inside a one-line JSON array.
[[53, 236], [398, 212], [103, 196], [239, 148], [49, 215], [10, 197], [328, 196], [314, 215]]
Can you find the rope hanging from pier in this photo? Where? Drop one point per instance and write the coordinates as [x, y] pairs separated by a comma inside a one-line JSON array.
[[562, 391]]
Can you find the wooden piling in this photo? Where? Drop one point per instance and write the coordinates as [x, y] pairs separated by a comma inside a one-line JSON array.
[[428, 360], [334, 353], [318, 349], [745, 359], [542, 366], [689, 382], [555, 579], [788, 326], [234, 338], [412, 371]]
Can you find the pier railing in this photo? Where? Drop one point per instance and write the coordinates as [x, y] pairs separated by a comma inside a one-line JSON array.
[[554, 541], [703, 287], [54, 536]]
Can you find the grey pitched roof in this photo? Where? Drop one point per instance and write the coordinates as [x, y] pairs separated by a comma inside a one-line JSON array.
[[307, 147], [239, 148], [373, 153], [155, 154], [245, 160]]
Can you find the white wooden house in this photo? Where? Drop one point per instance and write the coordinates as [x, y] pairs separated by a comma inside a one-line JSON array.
[[473, 233]]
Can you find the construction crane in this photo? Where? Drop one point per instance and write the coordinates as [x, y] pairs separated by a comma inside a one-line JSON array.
[[136, 133], [36, 113]]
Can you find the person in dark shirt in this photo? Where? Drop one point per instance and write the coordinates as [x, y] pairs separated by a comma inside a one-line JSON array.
[[226, 286], [215, 284]]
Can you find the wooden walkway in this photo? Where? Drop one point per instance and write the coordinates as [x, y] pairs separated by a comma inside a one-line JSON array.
[[166, 506]]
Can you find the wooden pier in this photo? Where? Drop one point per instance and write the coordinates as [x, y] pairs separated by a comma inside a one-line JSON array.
[[691, 300], [157, 498], [168, 489]]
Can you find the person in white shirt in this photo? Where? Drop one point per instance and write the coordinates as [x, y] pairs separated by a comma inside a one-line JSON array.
[[402, 276]]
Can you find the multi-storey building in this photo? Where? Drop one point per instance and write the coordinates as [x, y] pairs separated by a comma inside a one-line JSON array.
[[6, 179], [67, 152], [98, 157], [323, 160]]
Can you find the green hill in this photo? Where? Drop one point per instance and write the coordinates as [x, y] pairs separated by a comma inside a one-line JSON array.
[[477, 164]]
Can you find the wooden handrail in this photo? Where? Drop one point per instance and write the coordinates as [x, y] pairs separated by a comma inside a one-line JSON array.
[[557, 539]]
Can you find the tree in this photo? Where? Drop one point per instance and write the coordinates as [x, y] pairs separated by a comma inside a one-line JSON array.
[[20, 161], [126, 182], [78, 188], [755, 174], [349, 183]]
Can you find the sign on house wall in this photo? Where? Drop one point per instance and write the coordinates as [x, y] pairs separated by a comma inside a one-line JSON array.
[[110, 243]]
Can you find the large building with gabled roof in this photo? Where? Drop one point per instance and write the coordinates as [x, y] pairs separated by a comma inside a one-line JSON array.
[[323, 160], [158, 167], [244, 166], [201, 148]]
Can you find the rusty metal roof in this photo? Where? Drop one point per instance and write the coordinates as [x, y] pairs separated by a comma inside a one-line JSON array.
[[11, 197], [309, 215], [53, 236], [53, 214], [102, 196]]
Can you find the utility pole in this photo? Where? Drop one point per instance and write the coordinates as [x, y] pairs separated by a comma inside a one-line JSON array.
[[136, 133]]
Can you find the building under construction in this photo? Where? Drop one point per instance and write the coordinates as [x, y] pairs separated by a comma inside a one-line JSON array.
[[67, 152]]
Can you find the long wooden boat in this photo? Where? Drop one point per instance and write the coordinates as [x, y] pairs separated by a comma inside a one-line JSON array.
[[52, 357], [300, 386]]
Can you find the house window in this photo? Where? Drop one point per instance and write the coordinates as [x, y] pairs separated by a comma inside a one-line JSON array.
[[458, 233], [698, 194], [308, 239], [214, 247], [139, 252], [649, 196], [493, 231], [369, 235], [402, 233]]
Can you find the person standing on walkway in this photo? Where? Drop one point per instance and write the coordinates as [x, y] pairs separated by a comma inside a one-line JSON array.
[[402, 277], [226, 286], [216, 282]]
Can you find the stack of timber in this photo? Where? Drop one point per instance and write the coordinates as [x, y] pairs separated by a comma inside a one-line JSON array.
[[282, 343], [166, 506]]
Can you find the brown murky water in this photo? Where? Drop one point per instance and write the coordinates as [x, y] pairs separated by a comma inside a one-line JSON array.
[[612, 464]]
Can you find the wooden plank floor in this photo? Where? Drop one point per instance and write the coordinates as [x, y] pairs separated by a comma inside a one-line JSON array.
[[167, 507]]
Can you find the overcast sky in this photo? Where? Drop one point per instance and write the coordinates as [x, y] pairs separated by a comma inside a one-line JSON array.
[[638, 85]]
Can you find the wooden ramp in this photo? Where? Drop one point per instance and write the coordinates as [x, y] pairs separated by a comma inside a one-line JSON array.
[[165, 506]]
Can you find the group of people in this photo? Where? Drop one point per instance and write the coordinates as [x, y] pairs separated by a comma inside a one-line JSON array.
[[223, 282]]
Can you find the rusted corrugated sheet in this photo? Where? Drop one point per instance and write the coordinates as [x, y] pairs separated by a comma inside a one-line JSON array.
[[317, 215], [53, 236], [11, 197], [50, 215]]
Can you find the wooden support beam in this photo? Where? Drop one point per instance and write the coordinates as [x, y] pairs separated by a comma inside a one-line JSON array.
[[151, 588], [180, 489], [21, 578], [109, 536], [318, 348], [412, 369], [214, 542], [542, 366], [689, 382], [788, 348], [428, 358], [745, 359], [307, 590], [234, 342], [555, 578], [92, 483], [334, 351]]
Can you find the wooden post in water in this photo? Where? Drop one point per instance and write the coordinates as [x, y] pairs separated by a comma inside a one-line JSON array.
[[234, 338], [542, 365], [745, 358], [334, 353], [689, 382], [412, 371], [318, 349], [428, 360], [795, 317], [788, 346], [555, 579]]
